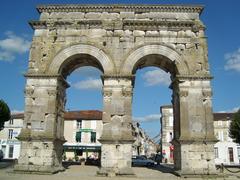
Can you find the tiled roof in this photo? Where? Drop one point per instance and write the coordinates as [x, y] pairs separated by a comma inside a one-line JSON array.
[[72, 115], [86, 115], [222, 116]]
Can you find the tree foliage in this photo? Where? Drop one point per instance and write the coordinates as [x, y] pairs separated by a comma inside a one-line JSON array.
[[234, 131], [5, 113]]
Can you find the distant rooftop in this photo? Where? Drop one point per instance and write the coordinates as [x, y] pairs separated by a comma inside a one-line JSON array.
[[72, 115], [97, 115]]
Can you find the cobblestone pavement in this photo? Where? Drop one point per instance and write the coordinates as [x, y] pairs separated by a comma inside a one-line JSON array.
[[77, 172]]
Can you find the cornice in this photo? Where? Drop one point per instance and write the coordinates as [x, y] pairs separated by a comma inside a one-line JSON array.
[[193, 77], [131, 24], [159, 24], [117, 8], [81, 23]]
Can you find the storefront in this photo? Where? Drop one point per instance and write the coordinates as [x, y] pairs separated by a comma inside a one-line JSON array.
[[76, 152]]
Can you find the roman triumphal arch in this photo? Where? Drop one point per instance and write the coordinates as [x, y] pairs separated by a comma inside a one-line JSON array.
[[118, 40]]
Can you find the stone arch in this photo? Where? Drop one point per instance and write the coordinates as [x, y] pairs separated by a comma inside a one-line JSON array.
[[103, 61], [166, 52]]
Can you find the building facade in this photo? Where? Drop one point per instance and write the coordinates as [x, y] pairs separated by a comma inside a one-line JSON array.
[[9, 144], [82, 131], [226, 151], [143, 144]]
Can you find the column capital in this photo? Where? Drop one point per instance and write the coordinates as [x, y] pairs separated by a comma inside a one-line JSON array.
[[119, 77], [59, 77]]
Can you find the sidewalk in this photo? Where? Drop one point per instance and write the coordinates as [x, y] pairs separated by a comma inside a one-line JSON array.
[[77, 172]]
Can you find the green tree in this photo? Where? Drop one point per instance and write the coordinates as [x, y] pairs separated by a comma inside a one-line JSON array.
[[234, 131], [5, 113]]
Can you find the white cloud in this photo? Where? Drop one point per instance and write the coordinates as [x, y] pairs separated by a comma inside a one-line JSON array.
[[148, 118], [13, 45], [233, 60], [156, 77], [89, 84], [233, 110]]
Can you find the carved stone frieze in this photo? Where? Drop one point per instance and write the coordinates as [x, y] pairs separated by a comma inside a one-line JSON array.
[[52, 92], [28, 91], [107, 92], [207, 93], [127, 92], [183, 93]]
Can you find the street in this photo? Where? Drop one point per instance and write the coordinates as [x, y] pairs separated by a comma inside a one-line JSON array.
[[74, 172]]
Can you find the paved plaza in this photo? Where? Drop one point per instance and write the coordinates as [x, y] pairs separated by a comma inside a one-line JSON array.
[[75, 172]]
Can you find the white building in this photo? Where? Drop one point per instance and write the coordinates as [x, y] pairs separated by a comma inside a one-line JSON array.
[[8, 142], [166, 122], [82, 129], [226, 151]]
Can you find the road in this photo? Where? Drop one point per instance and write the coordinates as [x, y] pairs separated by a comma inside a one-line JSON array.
[[77, 172]]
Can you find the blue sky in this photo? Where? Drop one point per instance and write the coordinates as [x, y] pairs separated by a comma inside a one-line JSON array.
[[223, 30]]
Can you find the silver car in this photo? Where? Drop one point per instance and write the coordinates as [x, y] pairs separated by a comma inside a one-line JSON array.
[[142, 161]]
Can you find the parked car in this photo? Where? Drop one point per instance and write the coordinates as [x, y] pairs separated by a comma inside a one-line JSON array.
[[1, 154], [142, 161]]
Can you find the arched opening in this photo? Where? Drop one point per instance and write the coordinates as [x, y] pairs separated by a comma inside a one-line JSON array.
[[83, 107], [152, 93]]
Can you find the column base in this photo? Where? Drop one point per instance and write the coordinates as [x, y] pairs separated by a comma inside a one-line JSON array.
[[40, 157], [194, 158], [116, 159], [37, 169], [111, 172]]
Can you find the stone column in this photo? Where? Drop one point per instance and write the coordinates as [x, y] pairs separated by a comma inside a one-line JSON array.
[[193, 126], [42, 134], [117, 139]]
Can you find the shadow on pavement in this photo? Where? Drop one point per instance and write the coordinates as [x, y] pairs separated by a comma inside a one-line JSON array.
[[67, 164], [164, 168]]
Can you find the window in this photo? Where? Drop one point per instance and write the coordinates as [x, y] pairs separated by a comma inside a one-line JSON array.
[[220, 123], [230, 152], [93, 137], [216, 152], [10, 133], [238, 150], [220, 135], [10, 152], [78, 137], [171, 136], [11, 121], [93, 124], [79, 124]]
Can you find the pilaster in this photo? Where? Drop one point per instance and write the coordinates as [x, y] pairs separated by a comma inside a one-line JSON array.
[[193, 127], [117, 137], [42, 134]]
